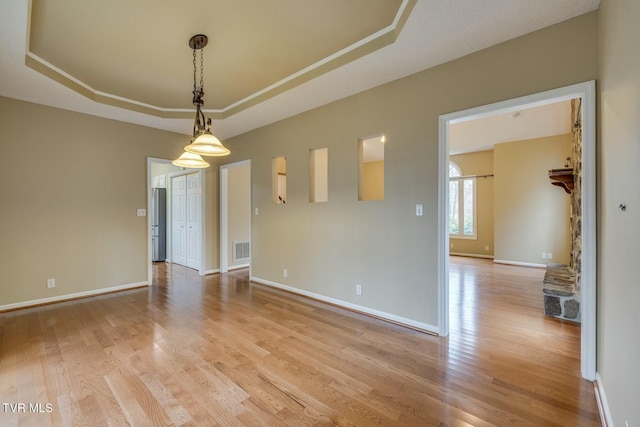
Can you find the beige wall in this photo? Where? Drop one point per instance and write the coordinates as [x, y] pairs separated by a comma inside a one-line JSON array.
[[239, 203], [478, 163], [619, 232], [71, 185], [329, 247], [531, 215]]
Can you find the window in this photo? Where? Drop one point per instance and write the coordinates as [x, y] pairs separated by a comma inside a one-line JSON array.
[[279, 180], [462, 204], [371, 168], [318, 179]]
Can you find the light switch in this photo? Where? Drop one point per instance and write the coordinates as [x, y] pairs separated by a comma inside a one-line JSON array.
[[419, 209], [257, 212], [141, 212]]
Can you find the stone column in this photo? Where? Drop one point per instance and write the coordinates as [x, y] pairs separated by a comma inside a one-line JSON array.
[[576, 195]]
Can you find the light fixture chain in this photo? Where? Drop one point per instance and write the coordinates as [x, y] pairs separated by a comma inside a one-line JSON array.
[[203, 141], [201, 70], [194, 70]]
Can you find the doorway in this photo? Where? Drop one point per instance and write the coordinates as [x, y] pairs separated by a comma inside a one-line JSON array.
[[585, 91], [235, 215], [159, 174]]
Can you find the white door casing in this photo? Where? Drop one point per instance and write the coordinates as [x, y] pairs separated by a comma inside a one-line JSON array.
[[586, 91]]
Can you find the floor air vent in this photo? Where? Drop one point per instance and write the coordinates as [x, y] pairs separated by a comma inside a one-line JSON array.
[[241, 251]]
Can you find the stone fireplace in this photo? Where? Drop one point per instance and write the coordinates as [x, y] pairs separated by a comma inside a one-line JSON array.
[[562, 283]]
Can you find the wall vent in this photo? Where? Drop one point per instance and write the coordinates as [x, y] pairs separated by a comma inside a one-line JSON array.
[[241, 251]]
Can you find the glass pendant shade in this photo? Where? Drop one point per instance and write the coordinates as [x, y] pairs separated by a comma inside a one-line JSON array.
[[206, 144], [190, 160]]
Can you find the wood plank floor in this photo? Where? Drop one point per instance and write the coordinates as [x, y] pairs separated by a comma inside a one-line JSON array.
[[222, 351]]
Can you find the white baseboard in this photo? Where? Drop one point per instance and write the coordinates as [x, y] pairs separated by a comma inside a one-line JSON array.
[[518, 263], [471, 255], [233, 267], [67, 297], [603, 404], [403, 321]]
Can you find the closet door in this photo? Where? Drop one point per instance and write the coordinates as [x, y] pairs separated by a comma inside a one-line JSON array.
[[194, 220], [179, 219]]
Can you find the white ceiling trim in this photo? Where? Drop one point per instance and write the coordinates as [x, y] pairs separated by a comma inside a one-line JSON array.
[[96, 93]]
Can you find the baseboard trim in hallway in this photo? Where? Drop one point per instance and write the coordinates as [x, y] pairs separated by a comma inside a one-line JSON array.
[[71, 297], [392, 318]]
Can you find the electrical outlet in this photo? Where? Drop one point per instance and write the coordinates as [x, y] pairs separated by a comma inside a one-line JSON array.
[[549, 255], [486, 248], [51, 283], [544, 255], [358, 289], [451, 246], [257, 212], [285, 273]]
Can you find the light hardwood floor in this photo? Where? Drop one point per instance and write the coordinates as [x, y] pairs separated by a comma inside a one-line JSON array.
[[222, 351]]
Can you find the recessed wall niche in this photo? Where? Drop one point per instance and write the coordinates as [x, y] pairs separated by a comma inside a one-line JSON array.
[[279, 180], [318, 175], [371, 167]]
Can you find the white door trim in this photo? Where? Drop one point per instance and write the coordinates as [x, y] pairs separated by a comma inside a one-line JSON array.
[[587, 92], [224, 212]]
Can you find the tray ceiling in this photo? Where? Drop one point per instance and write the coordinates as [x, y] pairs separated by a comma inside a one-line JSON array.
[[135, 54]]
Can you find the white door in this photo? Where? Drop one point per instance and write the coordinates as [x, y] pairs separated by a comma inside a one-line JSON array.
[[186, 208], [179, 219], [194, 220]]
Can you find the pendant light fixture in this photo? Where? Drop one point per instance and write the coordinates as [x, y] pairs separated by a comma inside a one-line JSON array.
[[190, 160], [203, 143]]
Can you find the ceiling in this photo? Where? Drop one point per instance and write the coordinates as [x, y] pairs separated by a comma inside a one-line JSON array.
[[517, 125], [265, 61]]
